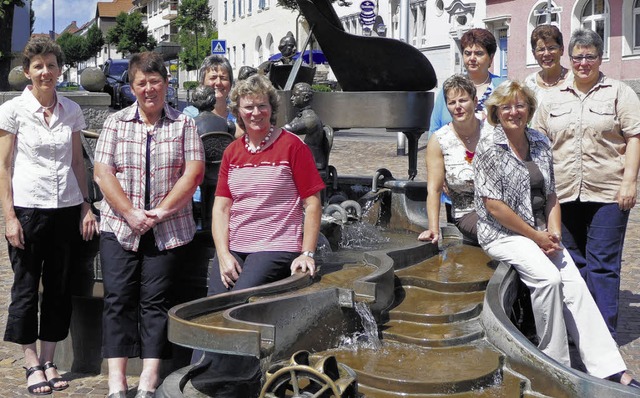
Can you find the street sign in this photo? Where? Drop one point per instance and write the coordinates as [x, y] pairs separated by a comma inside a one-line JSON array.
[[219, 47]]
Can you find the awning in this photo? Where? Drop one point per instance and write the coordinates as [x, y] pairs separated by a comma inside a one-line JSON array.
[[318, 57]]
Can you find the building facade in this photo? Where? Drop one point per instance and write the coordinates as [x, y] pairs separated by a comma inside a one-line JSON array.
[[617, 22]]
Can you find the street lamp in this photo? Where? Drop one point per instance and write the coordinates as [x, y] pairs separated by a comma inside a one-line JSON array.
[[52, 34]]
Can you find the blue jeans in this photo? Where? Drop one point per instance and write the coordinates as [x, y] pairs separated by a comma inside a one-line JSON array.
[[594, 234]]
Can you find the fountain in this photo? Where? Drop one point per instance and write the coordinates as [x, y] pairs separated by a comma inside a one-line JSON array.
[[397, 318]]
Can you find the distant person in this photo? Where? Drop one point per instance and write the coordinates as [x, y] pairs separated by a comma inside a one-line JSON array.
[[46, 209], [148, 163], [593, 124], [216, 72], [450, 152], [520, 224]]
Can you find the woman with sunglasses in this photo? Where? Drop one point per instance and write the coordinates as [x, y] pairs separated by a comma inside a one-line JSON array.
[[593, 124]]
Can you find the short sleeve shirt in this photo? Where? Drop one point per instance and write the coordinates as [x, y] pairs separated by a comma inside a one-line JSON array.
[[123, 146], [588, 135], [500, 175], [267, 189], [43, 154]]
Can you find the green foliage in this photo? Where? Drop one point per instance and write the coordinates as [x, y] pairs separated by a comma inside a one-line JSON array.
[[196, 32], [5, 4], [74, 48], [95, 40], [129, 35], [322, 87], [190, 85]]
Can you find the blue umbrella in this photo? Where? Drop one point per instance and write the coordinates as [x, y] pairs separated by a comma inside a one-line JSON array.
[[317, 56]]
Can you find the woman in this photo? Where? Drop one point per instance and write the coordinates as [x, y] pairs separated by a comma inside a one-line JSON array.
[[594, 125], [46, 210], [478, 48], [216, 72], [148, 163], [547, 47], [519, 224], [268, 182], [449, 154]]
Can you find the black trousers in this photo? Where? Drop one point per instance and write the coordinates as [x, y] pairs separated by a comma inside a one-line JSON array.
[[136, 298], [50, 236]]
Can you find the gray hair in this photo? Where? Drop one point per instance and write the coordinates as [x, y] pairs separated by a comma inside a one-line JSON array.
[[215, 61], [586, 38], [204, 98]]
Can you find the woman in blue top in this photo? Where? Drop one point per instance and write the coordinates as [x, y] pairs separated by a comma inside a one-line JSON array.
[[478, 48]]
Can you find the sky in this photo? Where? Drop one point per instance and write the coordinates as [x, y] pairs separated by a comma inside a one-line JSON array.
[[67, 11]]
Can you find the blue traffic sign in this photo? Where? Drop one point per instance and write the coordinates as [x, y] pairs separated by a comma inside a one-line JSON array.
[[219, 47]]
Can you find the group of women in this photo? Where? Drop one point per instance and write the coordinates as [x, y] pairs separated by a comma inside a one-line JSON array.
[[149, 161], [543, 179], [551, 197]]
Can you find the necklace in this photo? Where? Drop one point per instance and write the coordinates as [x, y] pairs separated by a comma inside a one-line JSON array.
[[468, 155], [562, 73], [484, 82], [259, 148], [52, 104]]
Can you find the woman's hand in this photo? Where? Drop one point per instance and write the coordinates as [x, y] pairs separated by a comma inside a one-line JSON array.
[[14, 234], [230, 270], [88, 223], [626, 196], [138, 221], [548, 242], [303, 263], [429, 236]]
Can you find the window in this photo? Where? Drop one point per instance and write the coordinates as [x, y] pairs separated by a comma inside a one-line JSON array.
[[225, 10], [595, 16], [636, 25], [233, 12], [249, 9], [261, 4], [240, 10], [542, 14], [414, 22]]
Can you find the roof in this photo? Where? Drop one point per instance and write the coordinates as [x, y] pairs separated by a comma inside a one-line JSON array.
[[71, 28], [112, 8]]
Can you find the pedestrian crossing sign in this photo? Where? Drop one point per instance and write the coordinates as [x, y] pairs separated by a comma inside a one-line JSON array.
[[219, 47]]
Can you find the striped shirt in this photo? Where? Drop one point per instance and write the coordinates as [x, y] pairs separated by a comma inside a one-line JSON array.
[[267, 189], [123, 146]]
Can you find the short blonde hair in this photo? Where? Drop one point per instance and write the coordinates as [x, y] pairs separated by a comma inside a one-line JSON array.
[[504, 93]]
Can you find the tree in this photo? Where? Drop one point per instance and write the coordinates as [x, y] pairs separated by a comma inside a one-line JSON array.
[[95, 40], [74, 48], [196, 32], [6, 29], [129, 35]]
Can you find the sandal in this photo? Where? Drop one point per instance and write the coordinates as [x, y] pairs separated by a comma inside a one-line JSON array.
[[53, 381], [32, 389]]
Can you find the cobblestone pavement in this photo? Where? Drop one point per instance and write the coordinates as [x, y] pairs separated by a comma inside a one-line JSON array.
[[349, 158]]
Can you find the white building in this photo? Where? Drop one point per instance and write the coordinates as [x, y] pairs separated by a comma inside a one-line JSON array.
[[253, 28]]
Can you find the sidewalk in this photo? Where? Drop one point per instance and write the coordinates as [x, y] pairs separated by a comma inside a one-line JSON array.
[[349, 158]]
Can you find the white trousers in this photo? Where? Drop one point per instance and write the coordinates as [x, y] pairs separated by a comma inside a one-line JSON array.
[[561, 302]]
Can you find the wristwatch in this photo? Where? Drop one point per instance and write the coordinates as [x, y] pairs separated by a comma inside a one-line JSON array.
[[308, 253]]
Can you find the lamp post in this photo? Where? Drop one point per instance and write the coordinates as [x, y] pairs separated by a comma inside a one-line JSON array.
[[52, 34]]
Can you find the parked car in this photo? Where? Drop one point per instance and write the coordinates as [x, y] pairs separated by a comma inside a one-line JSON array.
[[114, 70], [126, 97]]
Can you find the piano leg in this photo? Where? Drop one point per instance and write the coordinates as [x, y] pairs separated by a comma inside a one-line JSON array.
[[412, 140]]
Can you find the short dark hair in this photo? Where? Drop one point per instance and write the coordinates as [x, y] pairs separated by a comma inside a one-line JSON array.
[[147, 62], [546, 33], [41, 46], [481, 37], [461, 83]]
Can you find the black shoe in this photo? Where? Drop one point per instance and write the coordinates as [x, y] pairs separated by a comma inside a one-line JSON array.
[[618, 377], [32, 388]]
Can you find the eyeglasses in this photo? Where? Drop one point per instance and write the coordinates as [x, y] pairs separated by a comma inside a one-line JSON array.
[[589, 58], [518, 107], [550, 50]]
